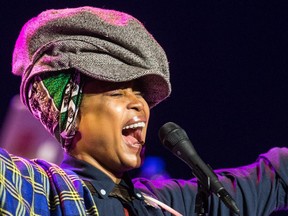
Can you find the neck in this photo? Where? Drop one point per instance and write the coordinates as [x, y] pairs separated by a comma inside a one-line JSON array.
[[115, 177]]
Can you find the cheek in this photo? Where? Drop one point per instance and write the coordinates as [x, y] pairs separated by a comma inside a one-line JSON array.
[[118, 109], [115, 112]]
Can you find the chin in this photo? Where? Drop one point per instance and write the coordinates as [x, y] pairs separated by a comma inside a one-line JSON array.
[[130, 165]]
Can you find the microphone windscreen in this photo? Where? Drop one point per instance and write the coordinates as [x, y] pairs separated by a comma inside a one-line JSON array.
[[170, 134]]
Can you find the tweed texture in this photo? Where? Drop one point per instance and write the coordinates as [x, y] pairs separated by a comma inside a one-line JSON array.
[[103, 44]]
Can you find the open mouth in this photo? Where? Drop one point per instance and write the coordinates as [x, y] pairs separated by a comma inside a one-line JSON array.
[[132, 134]]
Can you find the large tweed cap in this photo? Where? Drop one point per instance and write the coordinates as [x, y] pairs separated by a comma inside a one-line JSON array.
[[103, 44]]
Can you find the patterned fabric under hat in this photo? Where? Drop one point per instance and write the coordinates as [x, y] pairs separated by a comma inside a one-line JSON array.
[[55, 99]]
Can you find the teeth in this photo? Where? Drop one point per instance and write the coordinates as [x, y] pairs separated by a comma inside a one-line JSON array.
[[136, 125]]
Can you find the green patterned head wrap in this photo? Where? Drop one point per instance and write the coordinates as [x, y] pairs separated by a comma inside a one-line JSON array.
[[55, 101]]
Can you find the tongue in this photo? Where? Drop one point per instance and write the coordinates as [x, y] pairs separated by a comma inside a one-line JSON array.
[[132, 136], [130, 139]]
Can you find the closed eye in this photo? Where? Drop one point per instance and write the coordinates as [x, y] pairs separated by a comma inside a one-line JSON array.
[[119, 93], [138, 93], [115, 93]]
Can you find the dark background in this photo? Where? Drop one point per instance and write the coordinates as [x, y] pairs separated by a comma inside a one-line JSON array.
[[228, 63]]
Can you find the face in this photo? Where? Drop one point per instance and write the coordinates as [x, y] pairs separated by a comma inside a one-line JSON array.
[[112, 126]]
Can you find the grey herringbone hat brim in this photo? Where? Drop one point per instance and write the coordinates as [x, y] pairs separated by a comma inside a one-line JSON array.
[[104, 44]]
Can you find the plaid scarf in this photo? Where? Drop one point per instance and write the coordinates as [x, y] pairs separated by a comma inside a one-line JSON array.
[[55, 101], [37, 187]]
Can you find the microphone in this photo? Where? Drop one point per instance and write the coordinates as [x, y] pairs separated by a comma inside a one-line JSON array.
[[176, 140]]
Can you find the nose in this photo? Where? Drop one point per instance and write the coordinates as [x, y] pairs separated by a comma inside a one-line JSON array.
[[134, 102]]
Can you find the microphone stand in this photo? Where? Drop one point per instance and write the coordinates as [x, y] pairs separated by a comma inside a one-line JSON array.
[[176, 140], [203, 193]]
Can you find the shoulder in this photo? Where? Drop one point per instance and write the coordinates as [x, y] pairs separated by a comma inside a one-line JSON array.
[[42, 181], [18, 166], [35, 170]]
